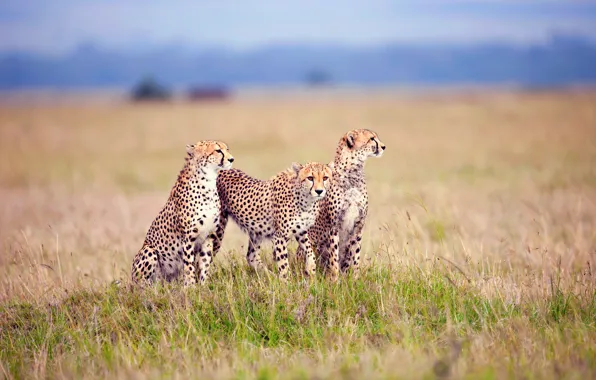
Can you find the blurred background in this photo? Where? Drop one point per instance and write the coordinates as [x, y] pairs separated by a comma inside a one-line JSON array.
[[212, 49]]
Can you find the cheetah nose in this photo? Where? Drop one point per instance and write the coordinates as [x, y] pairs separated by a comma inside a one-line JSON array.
[[383, 147], [231, 159], [319, 191]]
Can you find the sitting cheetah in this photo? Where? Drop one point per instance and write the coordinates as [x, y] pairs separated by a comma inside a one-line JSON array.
[[187, 221], [342, 213], [282, 207]]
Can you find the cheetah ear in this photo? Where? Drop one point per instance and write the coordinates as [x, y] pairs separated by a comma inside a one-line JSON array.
[[190, 150], [350, 140], [296, 167]]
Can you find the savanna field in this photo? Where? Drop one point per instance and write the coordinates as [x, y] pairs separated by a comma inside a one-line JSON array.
[[479, 247]]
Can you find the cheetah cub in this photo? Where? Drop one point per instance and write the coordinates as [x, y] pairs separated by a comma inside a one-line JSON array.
[[280, 208], [187, 222], [339, 224]]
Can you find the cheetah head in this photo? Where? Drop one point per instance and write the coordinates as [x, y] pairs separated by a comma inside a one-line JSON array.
[[362, 143], [214, 155], [313, 178]]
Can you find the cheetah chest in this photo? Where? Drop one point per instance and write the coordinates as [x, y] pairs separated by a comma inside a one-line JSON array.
[[304, 221], [209, 216], [351, 211]]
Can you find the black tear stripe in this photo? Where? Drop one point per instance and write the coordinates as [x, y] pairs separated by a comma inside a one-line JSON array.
[[222, 158], [375, 140]]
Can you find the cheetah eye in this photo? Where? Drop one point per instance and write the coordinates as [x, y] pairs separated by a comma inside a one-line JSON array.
[[219, 151], [372, 139], [311, 178], [325, 178]]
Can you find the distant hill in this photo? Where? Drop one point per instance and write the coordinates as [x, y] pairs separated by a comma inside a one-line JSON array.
[[562, 60]]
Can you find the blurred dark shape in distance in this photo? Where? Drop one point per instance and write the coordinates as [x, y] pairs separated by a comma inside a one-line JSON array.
[[316, 78], [149, 89], [208, 93]]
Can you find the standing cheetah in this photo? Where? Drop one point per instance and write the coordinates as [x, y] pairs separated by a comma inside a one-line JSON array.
[[282, 207], [187, 221], [338, 228]]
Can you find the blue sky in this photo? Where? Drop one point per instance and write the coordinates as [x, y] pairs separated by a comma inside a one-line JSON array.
[[55, 26]]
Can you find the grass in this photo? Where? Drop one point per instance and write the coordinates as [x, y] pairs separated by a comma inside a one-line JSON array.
[[269, 330], [478, 251]]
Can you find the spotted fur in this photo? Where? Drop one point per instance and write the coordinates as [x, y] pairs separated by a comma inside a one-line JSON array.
[[280, 208], [185, 226], [339, 223]]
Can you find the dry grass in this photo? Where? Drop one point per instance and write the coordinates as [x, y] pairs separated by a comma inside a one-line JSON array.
[[483, 214]]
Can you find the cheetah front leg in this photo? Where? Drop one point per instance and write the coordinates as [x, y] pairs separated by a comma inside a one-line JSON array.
[[205, 258], [299, 252], [305, 246], [281, 255], [314, 236], [188, 258], [219, 231], [351, 258], [144, 267], [332, 258]]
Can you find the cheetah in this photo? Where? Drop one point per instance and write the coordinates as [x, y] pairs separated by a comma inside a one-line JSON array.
[[339, 223], [185, 225], [277, 209]]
